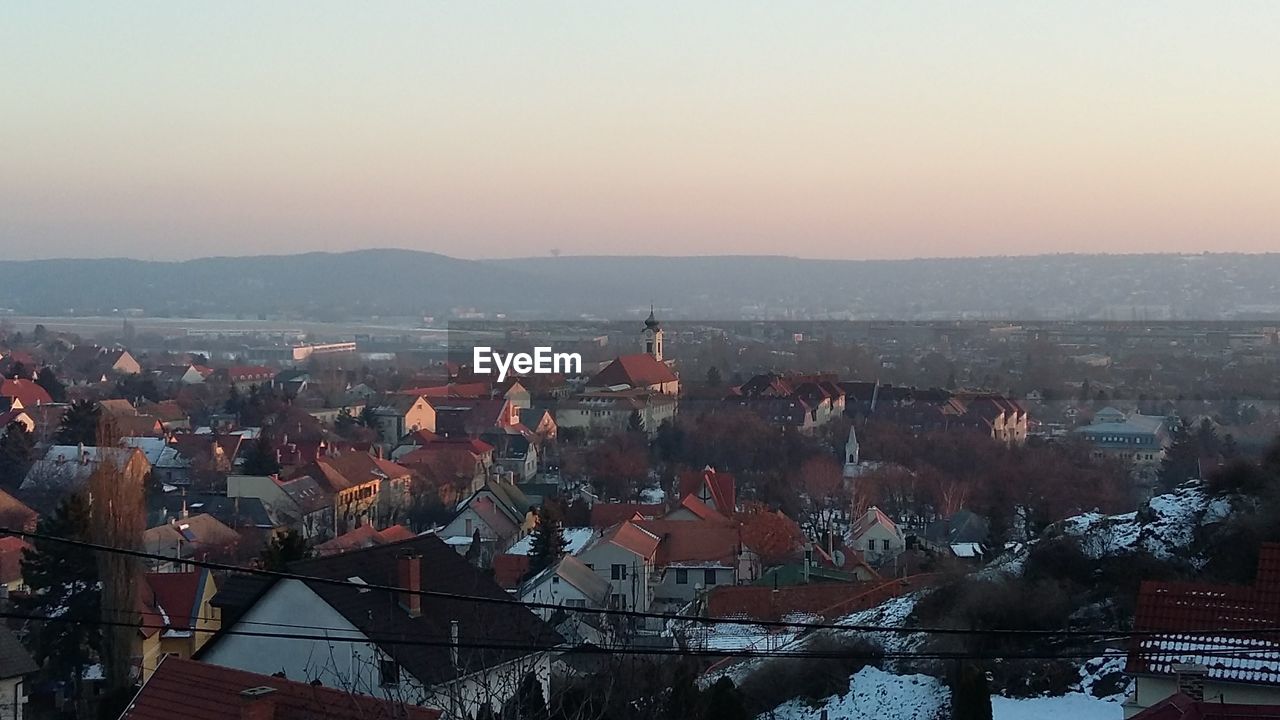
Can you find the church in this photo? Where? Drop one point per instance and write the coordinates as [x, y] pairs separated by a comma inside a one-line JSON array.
[[647, 370]]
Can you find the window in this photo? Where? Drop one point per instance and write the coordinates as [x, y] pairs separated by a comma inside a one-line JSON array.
[[682, 576], [555, 579], [710, 576], [617, 601], [388, 672], [618, 572], [886, 544], [575, 603]]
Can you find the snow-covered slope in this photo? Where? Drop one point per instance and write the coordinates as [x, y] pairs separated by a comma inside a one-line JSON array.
[[876, 695], [1165, 527]]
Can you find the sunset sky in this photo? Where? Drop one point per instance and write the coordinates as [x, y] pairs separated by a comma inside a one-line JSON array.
[[846, 129]]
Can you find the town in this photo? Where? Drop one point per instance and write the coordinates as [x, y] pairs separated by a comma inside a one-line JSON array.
[[719, 520]]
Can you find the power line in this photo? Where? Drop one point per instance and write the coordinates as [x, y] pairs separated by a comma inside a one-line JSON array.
[[1115, 634], [401, 640]]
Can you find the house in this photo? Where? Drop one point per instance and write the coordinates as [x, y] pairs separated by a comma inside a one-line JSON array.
[[92, 364], [611, 410], [500, 512], [356, 624], [628, 554], [15, 665], [877, 537], [244, 377], [606, 515], [236, 513], [1214, 642], [402, 414], [177, 617], [24, 393], [200, 691], [803, 402], [363, 537], [301, 503], [365, 489], [200, 537], [65, 469], [695, 556], [569, 583], [453, 466], [11, 411], [1141, 439]]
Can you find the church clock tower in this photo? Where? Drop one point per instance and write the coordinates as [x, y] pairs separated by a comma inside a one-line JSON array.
[[653, 336]]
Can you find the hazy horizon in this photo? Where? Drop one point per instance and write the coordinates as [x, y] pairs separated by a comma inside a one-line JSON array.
[[819, 130]]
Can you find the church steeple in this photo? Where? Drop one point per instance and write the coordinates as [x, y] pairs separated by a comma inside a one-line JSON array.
[[653, 336], [851, 453]]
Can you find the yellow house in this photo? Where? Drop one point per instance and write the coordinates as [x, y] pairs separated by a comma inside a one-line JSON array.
[[177, 617]]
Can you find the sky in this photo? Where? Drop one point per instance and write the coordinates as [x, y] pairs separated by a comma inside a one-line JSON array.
[[847, 129]]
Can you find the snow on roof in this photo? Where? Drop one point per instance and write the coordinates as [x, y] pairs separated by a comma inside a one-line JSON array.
[[576, 537], [967, 550]]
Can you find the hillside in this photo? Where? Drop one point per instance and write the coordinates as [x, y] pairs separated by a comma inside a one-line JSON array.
[[405, 283]]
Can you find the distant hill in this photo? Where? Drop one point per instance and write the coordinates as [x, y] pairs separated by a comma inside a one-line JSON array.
[[402, 282]]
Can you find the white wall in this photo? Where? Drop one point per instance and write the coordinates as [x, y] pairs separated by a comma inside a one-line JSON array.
[[12, 699]]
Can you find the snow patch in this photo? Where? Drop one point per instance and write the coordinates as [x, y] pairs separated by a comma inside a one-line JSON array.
[[1076, 706], [876, 695], [576, 537]]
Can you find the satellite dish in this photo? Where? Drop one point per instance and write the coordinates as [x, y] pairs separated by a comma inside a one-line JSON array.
[[838, 557]]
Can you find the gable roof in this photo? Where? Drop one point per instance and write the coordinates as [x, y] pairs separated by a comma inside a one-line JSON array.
[[15, 514], [721, 488], [28, 392], [199, 691], [363, 537], [694, 544], [640, 370], [443, 570], [1181, 707], [872, 517], [1191, 617], [630, 536], [576, 573], [179, 595], [11, 547]]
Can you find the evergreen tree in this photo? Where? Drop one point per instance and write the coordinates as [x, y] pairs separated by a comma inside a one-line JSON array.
[[79, 424], [368, 417], [234, 402], [48, 380], [344, 423], [713, 376], [529, 702], [1229, 448], [260, 458], [1207, 438], [284, 548], [1181, 460], [17, 452], [18, 371], [64, 584], [549, 544], [970, 696], [635, 423], [723, 701]]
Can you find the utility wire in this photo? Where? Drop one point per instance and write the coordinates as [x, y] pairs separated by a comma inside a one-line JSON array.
[[693, 619]]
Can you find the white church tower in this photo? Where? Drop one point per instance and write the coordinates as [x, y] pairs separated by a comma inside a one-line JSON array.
[[653, 336], [851, 459]]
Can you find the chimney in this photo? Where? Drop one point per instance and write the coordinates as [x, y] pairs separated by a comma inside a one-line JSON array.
[[258, 703], [1191, 680], [185, 512], [409, 576], [84, 457]]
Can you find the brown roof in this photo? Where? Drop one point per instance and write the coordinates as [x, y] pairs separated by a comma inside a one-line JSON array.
[[509, 570], [14, 514], [11, 548], [199, 691], [630, 536], [178, 594], [694, 543], [640, 370], [605, 515]]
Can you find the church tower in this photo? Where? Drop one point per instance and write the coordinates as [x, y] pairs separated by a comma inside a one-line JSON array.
[[851, 454], [653, 336]]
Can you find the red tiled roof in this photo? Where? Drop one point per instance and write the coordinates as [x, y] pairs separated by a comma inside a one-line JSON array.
[[641, 370], [11, 558], [606, 515], [701, 510], [363, 537], [761, 602], [722, 486], [694, 543], [1194, 615], [199, 691], [509, 570], [25, 391], [15, 514], [632, 537], [176, 593]]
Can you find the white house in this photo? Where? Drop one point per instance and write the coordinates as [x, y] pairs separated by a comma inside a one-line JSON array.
[[349, 639], [15, 665]]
